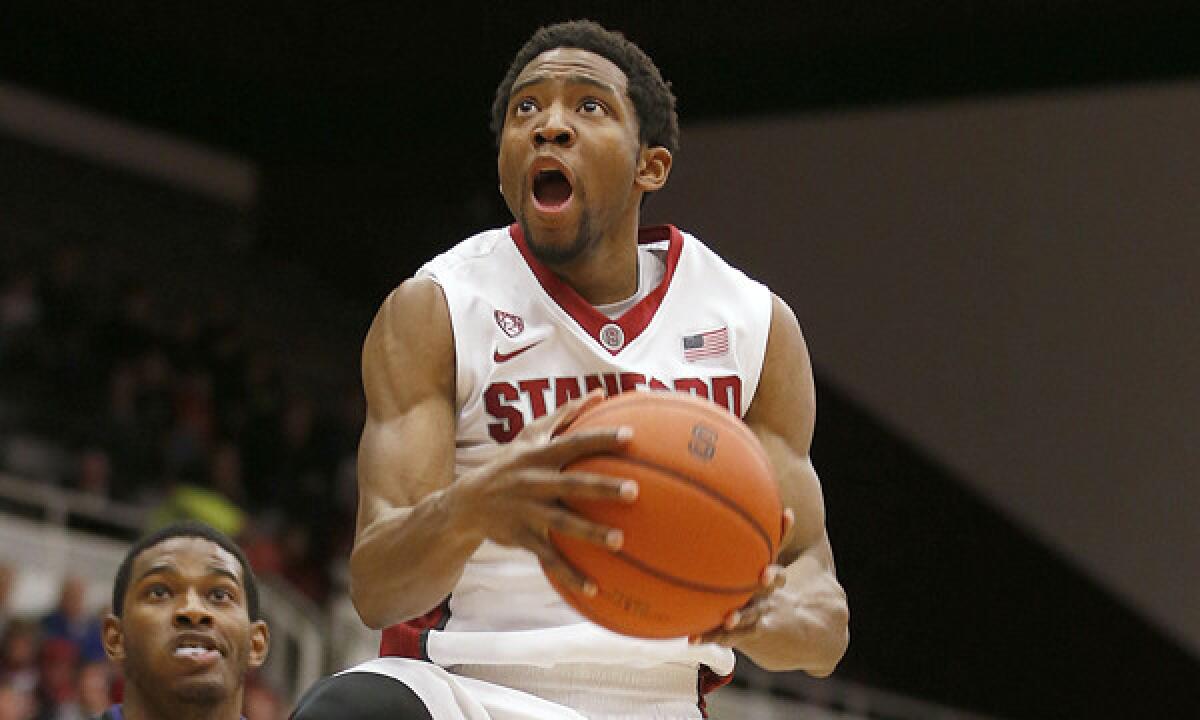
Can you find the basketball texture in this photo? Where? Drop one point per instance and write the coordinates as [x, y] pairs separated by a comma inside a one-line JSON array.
[[706, 523]]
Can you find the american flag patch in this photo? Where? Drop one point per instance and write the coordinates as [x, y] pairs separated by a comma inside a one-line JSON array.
[[711, 344]]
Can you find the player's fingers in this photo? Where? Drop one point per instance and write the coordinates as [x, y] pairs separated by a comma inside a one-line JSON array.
[[553, 563], [789, 519], [562, 418], [772, 578], [738, 625], [565, 522], [719, 636], [744, 619], [547, 484], [566, 448], [555, 423]]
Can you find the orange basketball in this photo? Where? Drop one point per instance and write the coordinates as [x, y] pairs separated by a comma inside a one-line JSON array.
[[706, 523]]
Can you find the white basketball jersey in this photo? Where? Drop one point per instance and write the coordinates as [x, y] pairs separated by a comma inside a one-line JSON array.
[[525, 343]]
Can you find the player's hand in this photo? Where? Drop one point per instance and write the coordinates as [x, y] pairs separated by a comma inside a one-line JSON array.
[[514, 500], [760, 611]]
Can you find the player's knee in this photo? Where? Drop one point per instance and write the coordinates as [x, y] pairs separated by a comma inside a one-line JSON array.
[[360, 696]]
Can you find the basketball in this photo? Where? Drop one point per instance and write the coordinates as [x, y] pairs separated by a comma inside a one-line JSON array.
[[706, 522]]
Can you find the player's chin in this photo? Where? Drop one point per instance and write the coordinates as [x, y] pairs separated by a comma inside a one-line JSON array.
[[201, 689]]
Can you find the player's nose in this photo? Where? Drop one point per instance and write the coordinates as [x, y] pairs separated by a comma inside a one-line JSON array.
[[553, 127], [192, 611]]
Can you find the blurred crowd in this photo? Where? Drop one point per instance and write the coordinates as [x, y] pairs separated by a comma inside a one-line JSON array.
[[177, 408]]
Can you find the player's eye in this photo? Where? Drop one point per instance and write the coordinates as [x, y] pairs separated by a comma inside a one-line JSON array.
[[220, 594], [158, 591], [591, 106], [525, 107]]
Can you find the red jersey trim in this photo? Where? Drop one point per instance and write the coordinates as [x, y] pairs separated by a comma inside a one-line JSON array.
[[408, 639], [709, 681], [635, 320]]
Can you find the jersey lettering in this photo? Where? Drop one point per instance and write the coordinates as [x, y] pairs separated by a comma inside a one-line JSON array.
[[496, 399], [503, 399], [566, 389]]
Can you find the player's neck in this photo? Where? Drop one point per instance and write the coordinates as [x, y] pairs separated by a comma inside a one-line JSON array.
[[138, 706], [609, 273]]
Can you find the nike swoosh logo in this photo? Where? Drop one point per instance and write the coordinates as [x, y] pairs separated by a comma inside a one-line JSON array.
[[500, 357]]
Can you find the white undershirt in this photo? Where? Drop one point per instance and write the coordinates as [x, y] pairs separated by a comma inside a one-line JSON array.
[[651, 268]]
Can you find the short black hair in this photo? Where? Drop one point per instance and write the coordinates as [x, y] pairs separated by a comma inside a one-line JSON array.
[[658, 123], [186, 528]]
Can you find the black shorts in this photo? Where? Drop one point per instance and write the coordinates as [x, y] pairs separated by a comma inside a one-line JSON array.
[[360, 696]]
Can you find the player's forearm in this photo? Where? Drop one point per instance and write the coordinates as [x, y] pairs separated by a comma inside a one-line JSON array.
[[810, 631], [406, 562]]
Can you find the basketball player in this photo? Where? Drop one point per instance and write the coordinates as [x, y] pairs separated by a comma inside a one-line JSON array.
[[472, 367], [184, 626]]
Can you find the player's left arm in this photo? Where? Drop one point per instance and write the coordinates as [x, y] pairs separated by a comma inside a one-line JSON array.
[[800, 620]]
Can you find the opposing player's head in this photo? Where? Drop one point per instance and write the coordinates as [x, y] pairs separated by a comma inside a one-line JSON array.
[[585, 126], [185, 623]]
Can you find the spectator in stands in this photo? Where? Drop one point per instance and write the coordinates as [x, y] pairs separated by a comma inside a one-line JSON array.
[[7, 580], [95, 472], [73, 621], [58, 665], [185, 626], [20, 315], [18, 655], [92, 696], [95, 689], [16, 703]]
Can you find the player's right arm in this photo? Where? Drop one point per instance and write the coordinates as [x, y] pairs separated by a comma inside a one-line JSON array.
[[416, 525]]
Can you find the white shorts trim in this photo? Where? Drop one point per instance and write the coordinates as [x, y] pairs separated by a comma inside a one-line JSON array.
[[591, 692]]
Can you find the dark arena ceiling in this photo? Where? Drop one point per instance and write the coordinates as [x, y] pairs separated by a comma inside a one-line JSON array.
[[376, 112]]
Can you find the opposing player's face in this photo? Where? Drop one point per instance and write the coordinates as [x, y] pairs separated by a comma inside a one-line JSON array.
[[569, 152], [186, 634]]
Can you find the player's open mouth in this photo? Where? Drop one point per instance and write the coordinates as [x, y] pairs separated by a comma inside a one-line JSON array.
[[198, 649], [551, 190]]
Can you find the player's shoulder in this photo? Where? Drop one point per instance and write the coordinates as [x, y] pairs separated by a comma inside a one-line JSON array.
[[705, 259], [478, 249]]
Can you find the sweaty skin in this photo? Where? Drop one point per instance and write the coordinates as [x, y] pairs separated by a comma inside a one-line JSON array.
[[569, 111]]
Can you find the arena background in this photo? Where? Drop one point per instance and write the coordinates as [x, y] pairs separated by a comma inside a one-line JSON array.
[[984, 213]]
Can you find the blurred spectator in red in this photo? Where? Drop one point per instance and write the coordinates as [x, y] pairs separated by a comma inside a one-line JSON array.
[[15, 702], [71, 620], [92, 695], [58, 662], [18, 655]]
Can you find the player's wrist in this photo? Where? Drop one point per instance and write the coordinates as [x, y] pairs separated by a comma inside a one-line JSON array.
[[455, 507]]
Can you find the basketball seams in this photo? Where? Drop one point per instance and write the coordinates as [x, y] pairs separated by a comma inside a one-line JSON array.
[[683, 582], [624, 402], [710, 492]]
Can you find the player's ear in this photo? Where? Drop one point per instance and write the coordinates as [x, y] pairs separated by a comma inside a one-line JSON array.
[[260, 643], [113, 637], [654, 165]]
